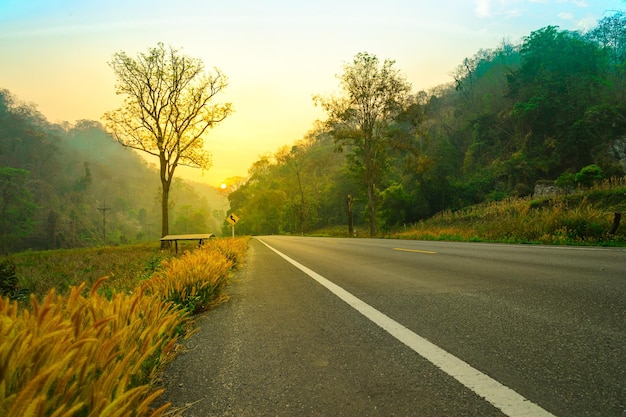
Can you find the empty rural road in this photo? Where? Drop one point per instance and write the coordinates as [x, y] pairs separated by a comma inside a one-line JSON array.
[[372, 327]]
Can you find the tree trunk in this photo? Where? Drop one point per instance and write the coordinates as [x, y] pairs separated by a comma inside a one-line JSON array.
[[165, 200], [302, 206], [372, 207], [350, 218], [369, 156], [53, 218], [616, 221]]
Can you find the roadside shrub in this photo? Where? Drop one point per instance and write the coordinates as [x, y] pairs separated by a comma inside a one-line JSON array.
[[193, 280], [8, 279], [566, 181], [9, 282], [233, 249], [92, 355]]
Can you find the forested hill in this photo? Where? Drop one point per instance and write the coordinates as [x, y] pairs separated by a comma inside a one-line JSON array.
[[64, 186], [550, 108]]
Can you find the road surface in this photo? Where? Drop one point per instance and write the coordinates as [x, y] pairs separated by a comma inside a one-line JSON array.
[[371, 327]]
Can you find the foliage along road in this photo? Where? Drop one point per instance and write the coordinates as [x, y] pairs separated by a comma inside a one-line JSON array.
[[366, 327]]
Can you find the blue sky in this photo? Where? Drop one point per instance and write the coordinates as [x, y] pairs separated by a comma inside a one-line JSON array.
[[277, 54]]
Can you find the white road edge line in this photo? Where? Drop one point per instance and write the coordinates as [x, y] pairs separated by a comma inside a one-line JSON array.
[[502, 397]]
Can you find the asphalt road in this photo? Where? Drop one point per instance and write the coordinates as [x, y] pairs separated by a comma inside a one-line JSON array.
[[410, 328]]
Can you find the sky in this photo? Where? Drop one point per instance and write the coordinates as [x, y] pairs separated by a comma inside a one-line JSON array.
[[276, 54]]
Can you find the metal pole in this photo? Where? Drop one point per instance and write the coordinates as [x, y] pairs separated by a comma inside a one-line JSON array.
[[104, 209]]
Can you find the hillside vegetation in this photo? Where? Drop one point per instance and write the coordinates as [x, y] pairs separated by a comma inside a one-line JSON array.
[[581, 218], [549, 108], [72, 185]]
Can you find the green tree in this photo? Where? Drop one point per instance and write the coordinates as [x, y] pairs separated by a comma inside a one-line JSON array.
[[167, 111], [305, 167], [17, 208], [373, 94], [297, 160], [610, 35], [557, 82], [265, 199], [588, 175]]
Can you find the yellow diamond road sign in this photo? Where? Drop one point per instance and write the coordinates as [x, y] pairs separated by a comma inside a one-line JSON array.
[[232, 218]]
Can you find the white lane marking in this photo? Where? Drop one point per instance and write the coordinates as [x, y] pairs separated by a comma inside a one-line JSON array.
[[502, 397]]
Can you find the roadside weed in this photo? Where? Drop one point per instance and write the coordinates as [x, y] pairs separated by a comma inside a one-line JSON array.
[[94, 353]]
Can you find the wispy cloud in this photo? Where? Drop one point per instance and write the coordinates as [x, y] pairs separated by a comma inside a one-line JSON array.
[[587, 23], [491, 8], [580, 3], [483, 8]]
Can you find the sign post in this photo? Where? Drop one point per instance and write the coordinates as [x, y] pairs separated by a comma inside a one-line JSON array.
[[232, 219]]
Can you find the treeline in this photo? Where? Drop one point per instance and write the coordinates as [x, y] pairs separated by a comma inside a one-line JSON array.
[[71, 185], [552, 107]]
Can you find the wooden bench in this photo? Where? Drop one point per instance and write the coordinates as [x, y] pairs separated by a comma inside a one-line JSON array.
[[200, 237]]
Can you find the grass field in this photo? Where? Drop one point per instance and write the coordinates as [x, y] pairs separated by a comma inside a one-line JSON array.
[[125, 267]]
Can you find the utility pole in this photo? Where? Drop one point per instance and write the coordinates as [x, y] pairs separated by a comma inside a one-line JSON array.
[[103, 210], [350, 218]]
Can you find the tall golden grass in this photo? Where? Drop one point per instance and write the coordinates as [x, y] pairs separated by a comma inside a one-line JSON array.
[[85, 354], [195, 279]]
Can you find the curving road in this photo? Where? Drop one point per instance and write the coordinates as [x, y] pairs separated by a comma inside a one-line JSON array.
[[368, 327]]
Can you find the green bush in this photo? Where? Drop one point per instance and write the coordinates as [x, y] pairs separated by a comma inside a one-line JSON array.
[[581, 229], [589, 175], [9, 282], [8, 279], [566, 181]]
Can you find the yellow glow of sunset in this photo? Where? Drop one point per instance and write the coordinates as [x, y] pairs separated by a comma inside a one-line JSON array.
[[277, 54]]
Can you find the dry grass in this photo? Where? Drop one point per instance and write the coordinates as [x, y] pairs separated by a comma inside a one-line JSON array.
[[195, 279], [83, 355], [94, 353], [584, 217]]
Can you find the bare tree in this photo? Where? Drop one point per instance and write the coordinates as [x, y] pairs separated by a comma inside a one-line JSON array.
[[373, 95], [167, 111]]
